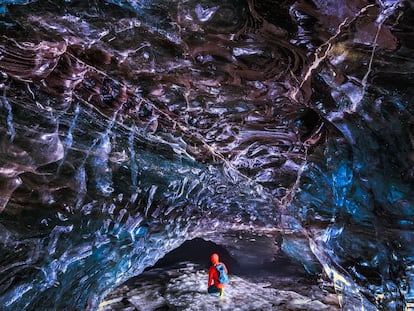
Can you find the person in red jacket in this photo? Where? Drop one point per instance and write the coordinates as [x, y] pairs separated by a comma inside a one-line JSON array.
[[214, 286]]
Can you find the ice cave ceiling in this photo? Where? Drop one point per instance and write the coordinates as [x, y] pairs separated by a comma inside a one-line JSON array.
[[130, 126]]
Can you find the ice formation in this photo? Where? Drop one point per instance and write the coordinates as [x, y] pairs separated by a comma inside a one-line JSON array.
[[130, 126]]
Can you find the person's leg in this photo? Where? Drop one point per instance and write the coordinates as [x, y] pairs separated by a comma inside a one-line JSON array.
[[213, 290], [221, 292]]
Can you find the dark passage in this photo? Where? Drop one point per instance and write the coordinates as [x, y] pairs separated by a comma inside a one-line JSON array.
[[198, 251], [179, 281]]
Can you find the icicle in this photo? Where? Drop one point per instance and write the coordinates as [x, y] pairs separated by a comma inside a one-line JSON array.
[[134, 167], [8, 107], [102, 173], [69, 137]]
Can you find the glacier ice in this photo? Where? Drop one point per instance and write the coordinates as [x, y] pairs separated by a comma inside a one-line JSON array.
[[129, 127]]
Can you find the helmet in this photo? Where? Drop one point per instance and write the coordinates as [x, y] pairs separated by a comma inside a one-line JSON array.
[[215, 259]]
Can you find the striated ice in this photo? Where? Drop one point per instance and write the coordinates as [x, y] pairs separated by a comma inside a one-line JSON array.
[[128, 127]]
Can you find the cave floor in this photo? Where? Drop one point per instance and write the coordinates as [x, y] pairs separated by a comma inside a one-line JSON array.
[[183, 287]]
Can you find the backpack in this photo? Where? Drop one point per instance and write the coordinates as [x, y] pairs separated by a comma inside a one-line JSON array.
[[223, 278]]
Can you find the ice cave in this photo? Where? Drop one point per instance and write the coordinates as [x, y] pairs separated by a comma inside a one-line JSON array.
[[139, 136]]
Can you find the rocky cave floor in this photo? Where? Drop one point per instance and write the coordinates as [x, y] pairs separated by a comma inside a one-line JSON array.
[[173, 284], [183, 287]]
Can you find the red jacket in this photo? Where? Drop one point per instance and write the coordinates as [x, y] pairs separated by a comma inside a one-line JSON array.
[[213, 276]]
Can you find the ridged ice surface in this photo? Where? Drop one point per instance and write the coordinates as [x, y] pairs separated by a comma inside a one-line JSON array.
[[128, 127]]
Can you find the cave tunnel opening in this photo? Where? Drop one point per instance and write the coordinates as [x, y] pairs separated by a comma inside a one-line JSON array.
[[199, 250], [183, 272]]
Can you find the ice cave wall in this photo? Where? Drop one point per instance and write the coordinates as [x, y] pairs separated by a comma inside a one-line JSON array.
[[128, 127]]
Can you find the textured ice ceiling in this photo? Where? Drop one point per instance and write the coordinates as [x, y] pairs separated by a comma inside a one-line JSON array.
[[128, 127]]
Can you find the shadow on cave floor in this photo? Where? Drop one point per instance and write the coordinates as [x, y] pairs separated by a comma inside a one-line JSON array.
[[178, 281]]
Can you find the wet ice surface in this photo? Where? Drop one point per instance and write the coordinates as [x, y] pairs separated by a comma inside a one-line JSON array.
[[183, 287], [130, 126]]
